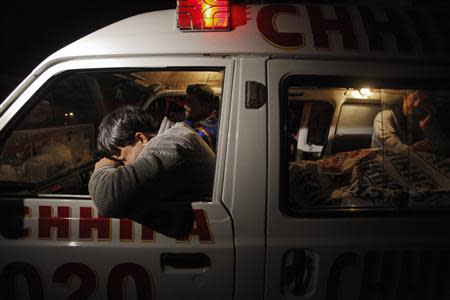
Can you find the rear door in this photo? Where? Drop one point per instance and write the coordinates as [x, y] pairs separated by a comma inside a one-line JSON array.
[[54, 245], [326, 240]]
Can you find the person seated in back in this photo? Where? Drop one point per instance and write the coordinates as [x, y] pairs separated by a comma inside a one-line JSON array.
[[201, 112], [413, 124], [141, 171]]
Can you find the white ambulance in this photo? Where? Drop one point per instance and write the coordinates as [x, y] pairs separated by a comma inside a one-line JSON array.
[[304, 205]]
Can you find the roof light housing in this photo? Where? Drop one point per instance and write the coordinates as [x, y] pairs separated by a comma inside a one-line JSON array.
[[203, 15]]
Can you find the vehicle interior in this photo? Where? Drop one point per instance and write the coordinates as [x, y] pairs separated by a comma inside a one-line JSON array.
[[52, 148], [333, 162]]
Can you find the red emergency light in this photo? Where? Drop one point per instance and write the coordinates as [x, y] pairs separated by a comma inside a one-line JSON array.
[[203, 15]]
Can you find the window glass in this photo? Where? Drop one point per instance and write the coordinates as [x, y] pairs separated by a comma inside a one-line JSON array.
[[414, 133], [52, 148], [380, 154], [308, 123], [319, 123]]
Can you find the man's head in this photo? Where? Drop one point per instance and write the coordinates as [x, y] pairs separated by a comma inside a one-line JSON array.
[[199, 99], [124, 132], [417, 104], [41, 115]]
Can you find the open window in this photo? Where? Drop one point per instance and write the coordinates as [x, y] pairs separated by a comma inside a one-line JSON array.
[[51, 146]]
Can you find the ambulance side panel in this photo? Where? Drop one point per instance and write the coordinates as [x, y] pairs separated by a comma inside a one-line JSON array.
[[56, 246], [351, 255]]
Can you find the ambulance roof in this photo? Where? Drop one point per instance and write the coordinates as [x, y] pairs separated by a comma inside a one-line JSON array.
[[276, 30]]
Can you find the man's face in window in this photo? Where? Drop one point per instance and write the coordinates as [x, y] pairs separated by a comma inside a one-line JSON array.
[[417, 104], [195, 110], [130, 153]]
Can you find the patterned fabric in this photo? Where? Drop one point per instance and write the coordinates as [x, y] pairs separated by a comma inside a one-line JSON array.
[[207, 130], [176, 163], [371, 178]]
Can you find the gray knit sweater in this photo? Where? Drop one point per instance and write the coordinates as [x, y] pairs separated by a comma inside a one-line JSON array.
[[176, 164]]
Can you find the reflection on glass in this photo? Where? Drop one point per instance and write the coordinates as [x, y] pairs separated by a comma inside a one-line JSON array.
[[387, 149]]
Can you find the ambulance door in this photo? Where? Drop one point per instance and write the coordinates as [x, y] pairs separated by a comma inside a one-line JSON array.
[[245, 174], [53, 243], [342, 244]]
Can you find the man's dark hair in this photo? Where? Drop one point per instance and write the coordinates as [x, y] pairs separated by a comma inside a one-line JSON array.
[[203, 93], [118, 128]]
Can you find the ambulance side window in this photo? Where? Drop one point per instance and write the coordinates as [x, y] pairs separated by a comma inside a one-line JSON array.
[[381, 155], [51, 148]]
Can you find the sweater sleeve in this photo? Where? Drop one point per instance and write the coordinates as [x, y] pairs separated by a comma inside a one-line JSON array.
[[175, 163], [116, 190]]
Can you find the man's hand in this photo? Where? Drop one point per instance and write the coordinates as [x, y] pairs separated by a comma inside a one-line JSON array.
[[105, 162], [425, 122], [423, 146], [427, 115]]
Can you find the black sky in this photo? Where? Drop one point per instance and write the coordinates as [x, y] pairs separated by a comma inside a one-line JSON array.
[[30, 34]]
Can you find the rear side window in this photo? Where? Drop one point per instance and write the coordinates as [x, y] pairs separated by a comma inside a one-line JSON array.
[[383, 149], [52, 146]]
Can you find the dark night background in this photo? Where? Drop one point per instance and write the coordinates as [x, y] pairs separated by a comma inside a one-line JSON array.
[[29, 34]]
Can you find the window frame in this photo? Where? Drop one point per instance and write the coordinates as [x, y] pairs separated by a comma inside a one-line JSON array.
[[17, 106]]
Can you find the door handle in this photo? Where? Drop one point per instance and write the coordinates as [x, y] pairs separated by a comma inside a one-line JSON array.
[[185, 262], [296, 273]]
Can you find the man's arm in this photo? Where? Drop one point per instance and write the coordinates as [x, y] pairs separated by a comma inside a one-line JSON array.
[[385, 133], [114, 189], [104, 162], [170, 163], [435, 135]]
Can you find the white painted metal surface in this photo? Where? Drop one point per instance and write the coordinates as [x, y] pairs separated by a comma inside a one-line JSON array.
[[122, 256], [58, 244], [245, 178], [245, 219], [156, 33], [338, 248]]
